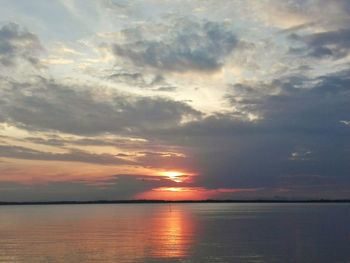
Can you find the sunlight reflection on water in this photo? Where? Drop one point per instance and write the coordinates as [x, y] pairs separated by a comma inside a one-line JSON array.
[[176, 233]]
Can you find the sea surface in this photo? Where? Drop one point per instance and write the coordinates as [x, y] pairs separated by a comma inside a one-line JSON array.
[[176, 233]]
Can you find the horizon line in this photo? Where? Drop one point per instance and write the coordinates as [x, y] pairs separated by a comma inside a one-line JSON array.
[[148, 201]]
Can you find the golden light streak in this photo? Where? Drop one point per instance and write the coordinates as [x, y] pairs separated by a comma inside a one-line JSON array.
[[175, 176]]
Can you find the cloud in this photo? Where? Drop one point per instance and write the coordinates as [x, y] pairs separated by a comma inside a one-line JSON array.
[[299, 115], [147, 81], [345, 122], [280, 126], [44, 104], [119, 142], [185, 46], [289, 14], [333, 44], [170, 160], [18, 44], [166, 89], [18, 152], [118, 187], [297, 103], [130, 78]]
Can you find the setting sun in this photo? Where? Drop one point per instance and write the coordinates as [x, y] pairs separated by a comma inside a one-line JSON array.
[[174, 193], [175, 176]]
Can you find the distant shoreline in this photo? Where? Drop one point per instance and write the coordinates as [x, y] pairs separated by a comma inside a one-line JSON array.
[[169, 201]]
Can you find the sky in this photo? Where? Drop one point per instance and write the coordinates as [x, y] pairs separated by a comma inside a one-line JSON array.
[[170, 99]]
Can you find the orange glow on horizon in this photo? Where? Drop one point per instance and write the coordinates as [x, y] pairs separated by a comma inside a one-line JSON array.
[[173, 189], [188, 193], [173, 193]]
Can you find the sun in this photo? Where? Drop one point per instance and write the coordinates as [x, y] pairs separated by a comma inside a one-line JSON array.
[[175, 176]]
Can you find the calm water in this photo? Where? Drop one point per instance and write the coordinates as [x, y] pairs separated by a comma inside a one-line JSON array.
[[180, 233]]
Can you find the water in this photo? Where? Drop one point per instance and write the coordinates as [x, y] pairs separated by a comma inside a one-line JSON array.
[[177, 233]]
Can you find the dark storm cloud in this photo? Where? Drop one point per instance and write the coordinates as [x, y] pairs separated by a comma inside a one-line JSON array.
[[334, 44], [18, 152], [302, 105], [118, 187], [17, 44], [303, 119], [47, 105], [186, 46]]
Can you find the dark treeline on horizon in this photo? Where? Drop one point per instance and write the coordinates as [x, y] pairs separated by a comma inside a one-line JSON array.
[[174, 201]]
